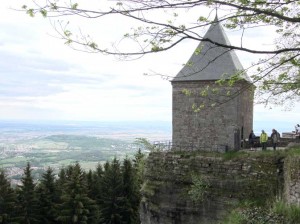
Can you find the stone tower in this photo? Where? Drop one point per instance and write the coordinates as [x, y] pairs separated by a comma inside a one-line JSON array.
[[208, 115]]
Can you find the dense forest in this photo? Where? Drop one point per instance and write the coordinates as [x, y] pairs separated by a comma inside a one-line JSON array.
[[109, 194]]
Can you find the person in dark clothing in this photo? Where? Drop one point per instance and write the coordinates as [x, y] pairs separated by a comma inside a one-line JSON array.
[[251, 140], [275, 136]]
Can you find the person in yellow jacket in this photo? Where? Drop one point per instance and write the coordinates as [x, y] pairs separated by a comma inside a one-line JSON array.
[[263, 140]]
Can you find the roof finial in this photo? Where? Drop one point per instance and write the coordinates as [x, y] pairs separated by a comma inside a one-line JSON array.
[[216, 18]]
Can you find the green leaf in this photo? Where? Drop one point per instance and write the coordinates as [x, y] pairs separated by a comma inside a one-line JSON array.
[[198, 50], [186, 92], [67, 33], [30, 12], [204, 92], [74, 6], [145, 143], [202, 19], [155, 48], [68, 42], [43, 12], [93, 45]]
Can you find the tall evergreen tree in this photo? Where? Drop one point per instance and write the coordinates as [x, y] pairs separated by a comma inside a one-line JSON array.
[[62, 178], [131, 193], [91, 183], [48, 197], [96, 189], [112, 201], [139, 166], [7, 200], [99, 170], [106, 166], [76, 206], [27, 198]]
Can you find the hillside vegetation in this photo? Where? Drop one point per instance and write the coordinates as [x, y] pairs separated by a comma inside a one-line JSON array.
[[60, 150], [109, 194]]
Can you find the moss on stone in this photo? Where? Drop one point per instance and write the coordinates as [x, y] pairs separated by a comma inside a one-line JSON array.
[[232, 178]]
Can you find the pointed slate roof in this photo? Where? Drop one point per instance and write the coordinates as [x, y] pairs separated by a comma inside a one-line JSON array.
[[213, 62]]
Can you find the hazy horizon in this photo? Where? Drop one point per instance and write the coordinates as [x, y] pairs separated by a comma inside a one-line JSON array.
[[281, 126]]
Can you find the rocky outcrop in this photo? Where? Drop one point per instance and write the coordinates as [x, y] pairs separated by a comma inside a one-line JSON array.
[[226, 182]]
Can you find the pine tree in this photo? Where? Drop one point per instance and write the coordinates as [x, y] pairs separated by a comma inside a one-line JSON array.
[[27, 197], [139, 166], [90, 180], [48, 197], [62, 178], [7, 200], [96, 189], [76, 206], [112, 201], [99, 171], [131, 193]]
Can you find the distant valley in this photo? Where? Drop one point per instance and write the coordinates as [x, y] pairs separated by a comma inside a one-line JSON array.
[[59, 144]]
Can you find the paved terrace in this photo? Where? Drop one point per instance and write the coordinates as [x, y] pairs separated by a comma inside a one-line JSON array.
[[168, 145]]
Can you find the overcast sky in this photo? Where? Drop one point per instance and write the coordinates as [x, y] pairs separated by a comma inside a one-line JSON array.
[[43, 79]]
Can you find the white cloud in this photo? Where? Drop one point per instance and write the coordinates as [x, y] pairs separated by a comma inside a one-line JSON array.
[[41, 78]]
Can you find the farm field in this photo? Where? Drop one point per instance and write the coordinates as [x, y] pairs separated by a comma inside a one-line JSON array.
[[61, 145]]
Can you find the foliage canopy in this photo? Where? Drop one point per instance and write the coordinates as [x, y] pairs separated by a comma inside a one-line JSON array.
[[162, 25]]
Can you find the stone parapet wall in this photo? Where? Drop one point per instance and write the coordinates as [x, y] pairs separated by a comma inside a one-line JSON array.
[[168, 179], [292, 180]]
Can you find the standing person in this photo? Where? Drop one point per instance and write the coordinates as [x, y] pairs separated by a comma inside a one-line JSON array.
[[263, 140], [297, 128], [275, 136], [251, 140]]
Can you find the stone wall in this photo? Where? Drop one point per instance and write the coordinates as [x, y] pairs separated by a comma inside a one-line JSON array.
[[292, 180], [168, 179], [216, 119]]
